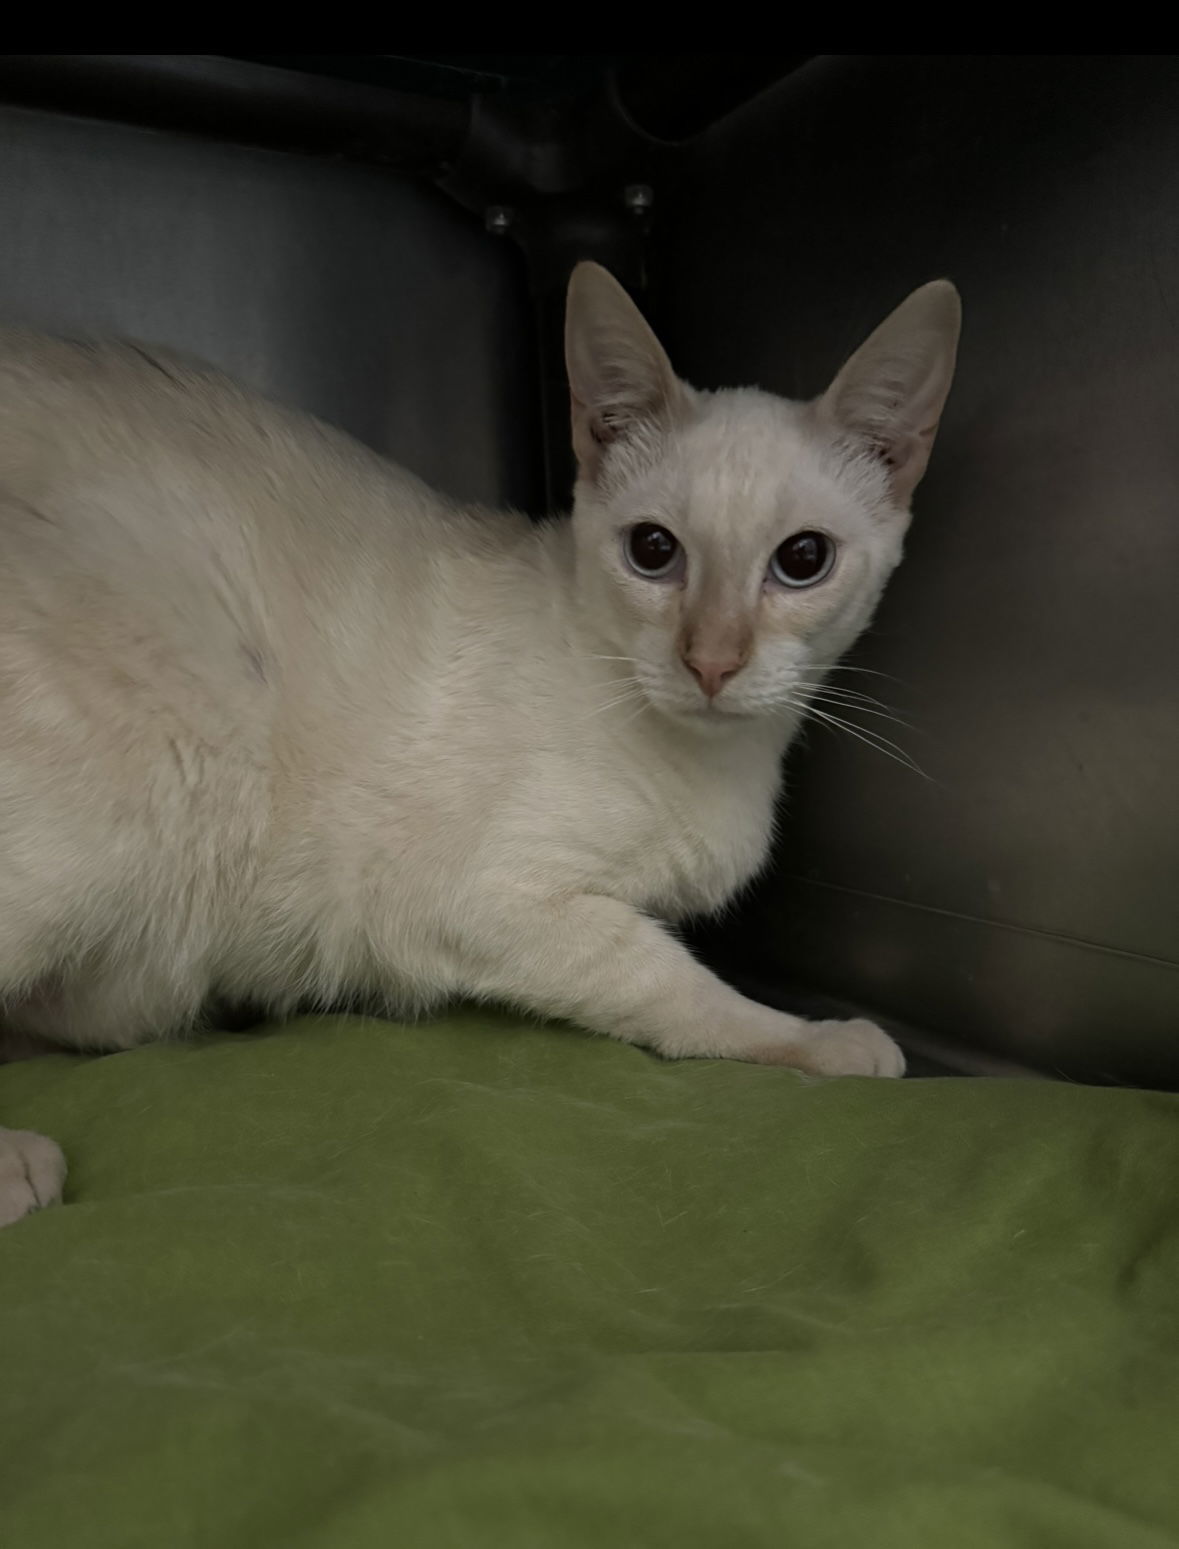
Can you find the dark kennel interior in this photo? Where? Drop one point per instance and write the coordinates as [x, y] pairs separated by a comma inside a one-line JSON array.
[[385, 239]]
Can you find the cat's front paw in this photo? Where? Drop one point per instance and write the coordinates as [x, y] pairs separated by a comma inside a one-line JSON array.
[[32, 1173], [855, 1048]]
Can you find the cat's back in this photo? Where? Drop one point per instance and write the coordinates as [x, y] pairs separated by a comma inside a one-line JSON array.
[[77, 413], [87, 401], [161, 480], [161, 524]]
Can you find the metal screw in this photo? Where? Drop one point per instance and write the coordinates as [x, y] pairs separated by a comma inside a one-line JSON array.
[[498, 219], [638, 197]]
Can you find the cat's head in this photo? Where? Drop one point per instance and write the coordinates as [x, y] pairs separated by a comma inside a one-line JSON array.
[[731, 545]]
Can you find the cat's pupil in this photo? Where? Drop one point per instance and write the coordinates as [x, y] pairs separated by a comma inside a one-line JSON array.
[[652, 548], [803, 556]]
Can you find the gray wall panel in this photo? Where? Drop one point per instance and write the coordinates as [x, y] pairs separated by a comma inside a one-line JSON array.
[[372, 302]]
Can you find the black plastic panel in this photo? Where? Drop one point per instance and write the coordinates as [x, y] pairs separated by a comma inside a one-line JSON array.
[[1026, 895]]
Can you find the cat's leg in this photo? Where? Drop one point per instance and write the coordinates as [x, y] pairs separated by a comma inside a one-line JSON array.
[[600, 963]]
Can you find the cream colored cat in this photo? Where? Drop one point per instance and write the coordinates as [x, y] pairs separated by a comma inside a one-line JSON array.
[[280, 723]]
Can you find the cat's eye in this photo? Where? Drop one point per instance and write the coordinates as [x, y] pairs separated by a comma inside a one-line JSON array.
[[652, 551], [804, 558]]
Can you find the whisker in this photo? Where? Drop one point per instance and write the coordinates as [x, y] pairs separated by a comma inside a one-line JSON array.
[[633, 691], [853, 696], [882, 715], [616, 699], [850, 699], [871, 672], [866, 731], [635, 713], [879, 747], [870, 738]]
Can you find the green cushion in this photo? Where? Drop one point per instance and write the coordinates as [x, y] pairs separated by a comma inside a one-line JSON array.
[[477, 1284]]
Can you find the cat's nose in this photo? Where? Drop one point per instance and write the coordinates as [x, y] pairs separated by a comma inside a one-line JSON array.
[[713, 672]]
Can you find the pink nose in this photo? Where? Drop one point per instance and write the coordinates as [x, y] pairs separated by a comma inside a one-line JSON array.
[[712, 673]]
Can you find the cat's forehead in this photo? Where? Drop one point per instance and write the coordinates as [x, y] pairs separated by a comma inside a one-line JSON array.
[[749, 460]]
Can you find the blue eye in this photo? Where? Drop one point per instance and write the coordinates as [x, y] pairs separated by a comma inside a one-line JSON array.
[[803, 559], [652, 551]]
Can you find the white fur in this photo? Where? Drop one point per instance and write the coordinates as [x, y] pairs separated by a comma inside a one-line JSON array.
[[281, 724]]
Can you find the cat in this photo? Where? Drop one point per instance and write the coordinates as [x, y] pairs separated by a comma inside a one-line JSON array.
[[283, 725]]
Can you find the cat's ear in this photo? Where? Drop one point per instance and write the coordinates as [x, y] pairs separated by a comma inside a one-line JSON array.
[[892, 391], [620, 379]]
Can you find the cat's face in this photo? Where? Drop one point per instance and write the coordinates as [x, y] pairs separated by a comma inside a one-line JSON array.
[[735, 565], [732, 545]]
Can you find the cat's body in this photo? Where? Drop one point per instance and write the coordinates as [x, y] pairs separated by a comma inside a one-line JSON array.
[[282, 725], [276, 839]]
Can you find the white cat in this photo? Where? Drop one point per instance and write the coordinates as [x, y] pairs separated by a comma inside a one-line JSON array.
[[281, 724]]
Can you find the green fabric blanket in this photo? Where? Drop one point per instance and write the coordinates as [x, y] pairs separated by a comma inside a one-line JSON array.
[[350, 1284]]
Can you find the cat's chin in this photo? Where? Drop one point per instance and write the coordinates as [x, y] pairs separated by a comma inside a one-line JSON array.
[[709, 715]]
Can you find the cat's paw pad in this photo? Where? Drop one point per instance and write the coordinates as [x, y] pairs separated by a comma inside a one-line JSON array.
[[32, 1173]]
